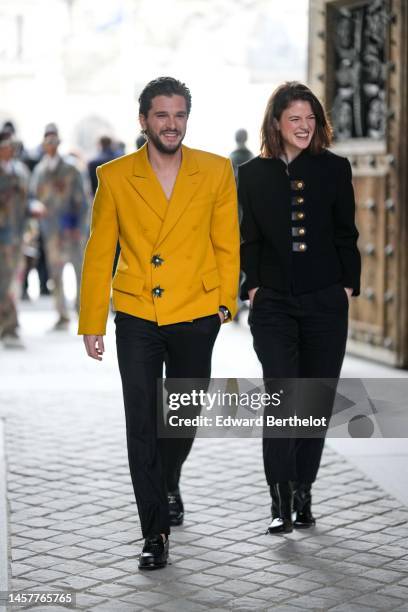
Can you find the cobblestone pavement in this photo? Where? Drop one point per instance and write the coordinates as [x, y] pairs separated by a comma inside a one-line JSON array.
[[74, 524]]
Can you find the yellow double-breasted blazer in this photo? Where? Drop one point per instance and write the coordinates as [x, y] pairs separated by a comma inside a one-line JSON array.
[[179, 258]]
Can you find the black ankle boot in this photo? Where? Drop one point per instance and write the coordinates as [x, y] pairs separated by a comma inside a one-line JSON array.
[[275, 510], [282, 503], [155, 553], [303, 505]]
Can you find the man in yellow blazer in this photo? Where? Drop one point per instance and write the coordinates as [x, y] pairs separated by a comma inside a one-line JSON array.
[[174, 212]]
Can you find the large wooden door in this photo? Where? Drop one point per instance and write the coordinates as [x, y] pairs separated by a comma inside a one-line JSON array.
[[358, 65]]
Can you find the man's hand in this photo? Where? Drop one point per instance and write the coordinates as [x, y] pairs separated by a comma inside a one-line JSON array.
[[37, 209], [349, 291], [94, 346], [251, 294]]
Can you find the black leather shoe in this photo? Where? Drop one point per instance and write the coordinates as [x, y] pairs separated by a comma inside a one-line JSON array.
[[176, 508], [154, 554], [303, 506], [282, 503]]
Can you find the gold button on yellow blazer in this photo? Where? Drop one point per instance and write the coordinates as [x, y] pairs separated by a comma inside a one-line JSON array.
[[179, 258]]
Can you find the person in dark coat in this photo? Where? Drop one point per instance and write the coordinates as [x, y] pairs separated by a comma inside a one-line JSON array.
[[106, 154], [241, 154], [302, 265], [140, 141]]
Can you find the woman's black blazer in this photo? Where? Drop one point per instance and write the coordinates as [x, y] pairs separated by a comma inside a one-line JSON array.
[[298, 230]]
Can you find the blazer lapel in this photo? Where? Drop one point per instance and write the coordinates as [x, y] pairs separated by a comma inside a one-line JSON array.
[[145, 182], [187, 183]]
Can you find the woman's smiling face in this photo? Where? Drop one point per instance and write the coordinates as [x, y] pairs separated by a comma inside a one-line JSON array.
[[297, 126]]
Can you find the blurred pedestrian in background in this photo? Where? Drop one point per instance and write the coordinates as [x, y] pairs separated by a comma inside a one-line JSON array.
[[241, 154], [106, 153], [14, 178], [33, 243], [59, 186], [140, 141], [120, 148], [19, 152], [35, 259]]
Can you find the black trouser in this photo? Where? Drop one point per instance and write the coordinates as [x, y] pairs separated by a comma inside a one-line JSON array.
[[42, 268], [301, 336], [142, 347]]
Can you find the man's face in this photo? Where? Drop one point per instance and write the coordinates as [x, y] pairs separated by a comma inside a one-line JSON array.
[[50, 145], [166, 123]]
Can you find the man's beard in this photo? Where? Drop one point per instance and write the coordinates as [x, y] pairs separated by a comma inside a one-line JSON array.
[[167, 150]]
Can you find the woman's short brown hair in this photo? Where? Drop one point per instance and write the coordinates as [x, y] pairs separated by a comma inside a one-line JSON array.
[[271, 139]]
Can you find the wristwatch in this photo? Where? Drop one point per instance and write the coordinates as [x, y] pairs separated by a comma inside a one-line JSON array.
[[225, 312]]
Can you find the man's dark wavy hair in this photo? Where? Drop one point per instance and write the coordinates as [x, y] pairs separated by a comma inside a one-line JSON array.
[[163, 86]]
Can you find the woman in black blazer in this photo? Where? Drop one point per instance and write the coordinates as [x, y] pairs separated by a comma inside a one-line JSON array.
[[301, 264]]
